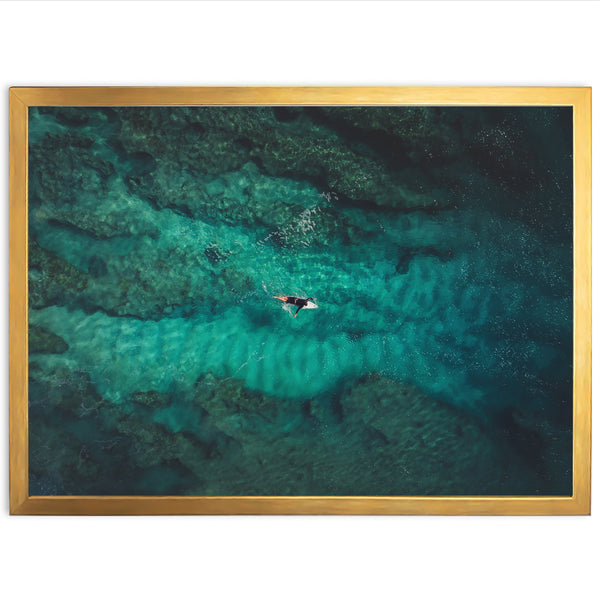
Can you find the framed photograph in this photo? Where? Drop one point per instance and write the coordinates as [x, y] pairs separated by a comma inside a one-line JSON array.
[[300, 300]]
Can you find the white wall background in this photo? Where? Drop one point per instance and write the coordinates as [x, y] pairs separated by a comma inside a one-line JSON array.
[[337, 43]]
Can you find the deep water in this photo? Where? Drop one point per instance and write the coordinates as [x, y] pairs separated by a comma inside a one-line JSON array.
[[437, 242]]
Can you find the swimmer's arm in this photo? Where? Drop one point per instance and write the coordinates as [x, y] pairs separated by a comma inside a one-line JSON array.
[[297, 312]]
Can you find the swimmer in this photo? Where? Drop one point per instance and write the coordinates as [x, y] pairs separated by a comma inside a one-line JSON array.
[[299, 302]]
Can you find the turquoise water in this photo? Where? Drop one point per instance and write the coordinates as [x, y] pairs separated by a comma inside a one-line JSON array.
[[437, 243]]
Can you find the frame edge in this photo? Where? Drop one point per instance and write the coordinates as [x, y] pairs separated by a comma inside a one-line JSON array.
[[582, 297], [20, 98], [18, 422]]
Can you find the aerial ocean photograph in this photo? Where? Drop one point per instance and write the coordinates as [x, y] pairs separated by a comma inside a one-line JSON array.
[[300, 300]]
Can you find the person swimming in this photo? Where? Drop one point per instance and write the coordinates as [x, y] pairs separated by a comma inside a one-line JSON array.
[[299, 302]]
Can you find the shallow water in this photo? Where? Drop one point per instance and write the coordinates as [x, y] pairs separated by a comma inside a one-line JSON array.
[[439, 254]]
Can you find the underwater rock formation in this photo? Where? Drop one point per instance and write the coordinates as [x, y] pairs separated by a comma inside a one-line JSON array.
[[541, 439], [141, 284], [236, 411], [376, 436], [412, 136], [64, 167], [210, 142], [151, 398], [59, 386], [406, 255], [400, 441], [44, 341], [97, 226], [74, 116], [153, 444], [52, 280], [436, 448], [243, 197], [145, 284], [59, 462]]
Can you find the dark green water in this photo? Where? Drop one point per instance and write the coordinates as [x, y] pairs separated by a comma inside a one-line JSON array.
[[437, 241]]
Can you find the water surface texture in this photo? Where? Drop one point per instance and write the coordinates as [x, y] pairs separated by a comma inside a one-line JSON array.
[[436, 241]]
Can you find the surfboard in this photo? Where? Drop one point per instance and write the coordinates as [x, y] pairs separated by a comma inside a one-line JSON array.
[[309, 304]]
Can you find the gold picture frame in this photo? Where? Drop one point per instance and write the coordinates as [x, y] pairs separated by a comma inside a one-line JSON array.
[[21, 98]]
